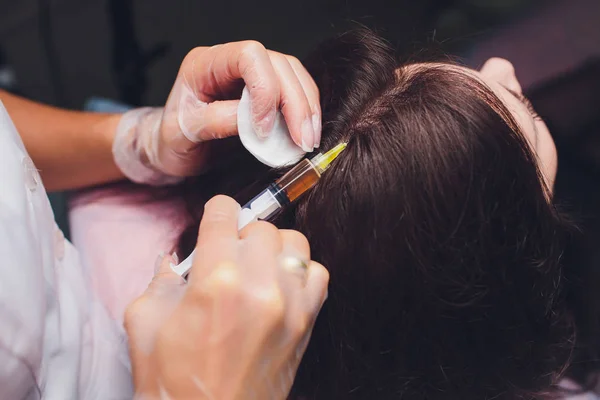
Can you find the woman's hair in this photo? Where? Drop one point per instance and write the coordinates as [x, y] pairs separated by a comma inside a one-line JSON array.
[[436, 227]]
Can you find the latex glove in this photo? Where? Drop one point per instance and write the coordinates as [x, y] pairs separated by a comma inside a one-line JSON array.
[[239, 327], [161, 145]]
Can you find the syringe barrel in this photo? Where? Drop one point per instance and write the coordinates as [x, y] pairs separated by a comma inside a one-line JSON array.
[[299, 179], [270, 201], [263, 207]]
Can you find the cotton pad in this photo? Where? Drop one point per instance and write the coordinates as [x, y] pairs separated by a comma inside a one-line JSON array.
[[278, 149]]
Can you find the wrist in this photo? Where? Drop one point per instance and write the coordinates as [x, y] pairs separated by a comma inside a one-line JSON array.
[[135, 147], [107, 127]]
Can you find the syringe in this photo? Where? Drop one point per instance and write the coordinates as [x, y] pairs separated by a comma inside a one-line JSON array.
[[278, 194]]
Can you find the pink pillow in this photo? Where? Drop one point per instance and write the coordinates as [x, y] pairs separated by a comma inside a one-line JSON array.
[[119, 236]]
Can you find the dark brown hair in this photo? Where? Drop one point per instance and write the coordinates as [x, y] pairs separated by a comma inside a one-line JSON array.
[[443, 248]]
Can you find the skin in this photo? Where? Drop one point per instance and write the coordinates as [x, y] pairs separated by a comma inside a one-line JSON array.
[[499, 75], [71, 149]]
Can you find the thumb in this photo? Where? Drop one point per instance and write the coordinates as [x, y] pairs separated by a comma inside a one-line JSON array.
[[163, 271], [216, 120], [166, 282]]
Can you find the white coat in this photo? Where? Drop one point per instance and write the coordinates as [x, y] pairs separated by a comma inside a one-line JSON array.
[[56, 340]]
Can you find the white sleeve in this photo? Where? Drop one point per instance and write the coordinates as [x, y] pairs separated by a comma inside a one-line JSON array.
[[16, 378], [22, 305], [20, 344], [22, 297], [25, 284]]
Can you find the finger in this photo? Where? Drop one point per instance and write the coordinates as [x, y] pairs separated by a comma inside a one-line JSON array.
[[293, 261], [216, 70], [312, 94], [294, 104], [260, 247], [316, 288], [217, 237], [293, 275], [295, 244], [263, 235], [303, 299], [216, 120], [165, 282], [219, 221]]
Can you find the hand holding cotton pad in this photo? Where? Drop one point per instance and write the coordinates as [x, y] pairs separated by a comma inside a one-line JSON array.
[[276, 150]]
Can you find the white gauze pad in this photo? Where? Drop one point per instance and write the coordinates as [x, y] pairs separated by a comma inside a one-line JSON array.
[[278, 149]]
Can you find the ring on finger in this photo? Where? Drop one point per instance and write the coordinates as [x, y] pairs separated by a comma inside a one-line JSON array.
[[293, 264], [296, 266]]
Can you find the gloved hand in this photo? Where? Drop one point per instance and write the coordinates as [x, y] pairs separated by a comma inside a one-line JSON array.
[[160, 145], [239, 327]]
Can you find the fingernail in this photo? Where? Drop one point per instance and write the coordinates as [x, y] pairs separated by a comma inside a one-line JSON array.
[[175, 258], [316, 121], [264, 127], [308, 135], [158, 262]]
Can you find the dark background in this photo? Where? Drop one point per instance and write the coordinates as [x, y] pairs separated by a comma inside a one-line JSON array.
[[64, 51]]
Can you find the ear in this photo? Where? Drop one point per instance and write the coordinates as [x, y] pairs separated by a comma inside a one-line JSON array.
[[503, 72]]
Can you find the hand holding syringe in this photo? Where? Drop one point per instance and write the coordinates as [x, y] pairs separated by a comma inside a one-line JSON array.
[[237, 329], [279, 194]]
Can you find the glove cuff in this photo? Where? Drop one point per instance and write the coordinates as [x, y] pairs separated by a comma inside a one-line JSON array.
[[135, 139]]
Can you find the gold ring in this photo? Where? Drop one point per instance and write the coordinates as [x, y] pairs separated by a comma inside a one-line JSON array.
[[294, 264]]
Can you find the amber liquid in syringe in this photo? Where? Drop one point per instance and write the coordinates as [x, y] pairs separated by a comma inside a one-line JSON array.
[[300, 178]]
